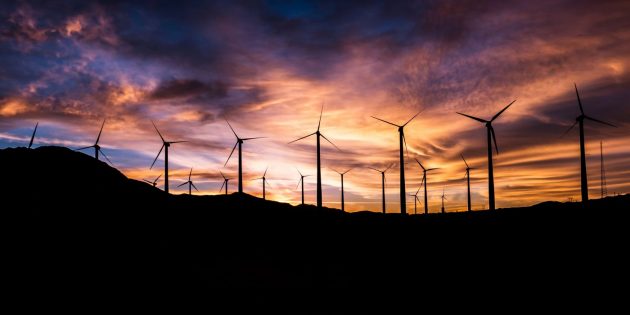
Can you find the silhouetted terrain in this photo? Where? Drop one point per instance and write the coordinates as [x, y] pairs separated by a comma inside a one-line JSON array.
[[73, 221]]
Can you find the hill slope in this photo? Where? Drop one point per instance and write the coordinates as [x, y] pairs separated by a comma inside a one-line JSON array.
[[78, 221]]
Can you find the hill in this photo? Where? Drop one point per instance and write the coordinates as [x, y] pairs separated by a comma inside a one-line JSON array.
[[75, 221]]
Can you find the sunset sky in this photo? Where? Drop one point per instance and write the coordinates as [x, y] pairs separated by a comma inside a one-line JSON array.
[[269, 66]]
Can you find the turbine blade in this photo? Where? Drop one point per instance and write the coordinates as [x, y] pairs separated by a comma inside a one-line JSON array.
[[158, 178], [473, 117], [265, 172], [302, 138], [424, 177], [103, 153], [385, 121], [228, 159], [223, 175], [501, 112], [222, 186], [194, 186], [244, 139], [599, 121], [156, 129], [147, 181], [346, 171], [330, 142], [84, 148], [578, 97], [30, 144], [182, 141], [494, 138], [575, 123], [190, 174], [414, 116], [405, 142], [232, 129], [99, 133], [182, 184], [299, 171], [320, 117], [417, 191], [157, 156], [390, 166], [420, 165], [298, 185], [374, 169], [464, 160], [432, 169]]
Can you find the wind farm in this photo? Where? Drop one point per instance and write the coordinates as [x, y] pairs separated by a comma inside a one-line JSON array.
[[89, 88]]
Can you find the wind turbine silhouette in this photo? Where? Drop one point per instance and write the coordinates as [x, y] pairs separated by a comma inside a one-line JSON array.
[[165, 146], [264, 180], [491, 136], [383, 183], [416, 200], [97, 148], [154, 183], [225, 183], [342, 199], [30, 144], [443, 198], [301, 181], [318, 134], [425, 181], [401, 136], [580, 120], [468, 168], [239, 143], [190, 184]]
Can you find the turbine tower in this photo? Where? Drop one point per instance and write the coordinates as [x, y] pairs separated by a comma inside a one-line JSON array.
[[443, 198], [97, 148], [264, 180], [342, 197], [401, 140], [190, 184], [154, 182], [468, 168], [30, 144], [416, 200], [225, 183], [239, 143], [580, 120], [383, 184], [491, 137], [604, 190], [165, 146], [425, 181], [318, 134], [302, 182]]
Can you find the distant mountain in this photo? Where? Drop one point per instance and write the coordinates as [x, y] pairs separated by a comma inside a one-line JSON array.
[[75, 221]]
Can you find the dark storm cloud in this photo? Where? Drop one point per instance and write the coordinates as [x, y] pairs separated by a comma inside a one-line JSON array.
[[188, 88]]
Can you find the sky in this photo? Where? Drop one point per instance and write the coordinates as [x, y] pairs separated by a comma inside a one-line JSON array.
[[268, 67]]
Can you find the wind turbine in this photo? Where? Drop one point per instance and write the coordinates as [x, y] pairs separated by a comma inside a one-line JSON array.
[[225, 183], [580, 120], [491, 136], [30, 144], [401, 136], [190, 184], [468, 168], [318, 134], [239, 143], [416, 200], [425, 181], [154, 183], [97, 148], [165, 146], [383, 183], [301, 181], [264, 180], [342, 200], [443, 198]]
